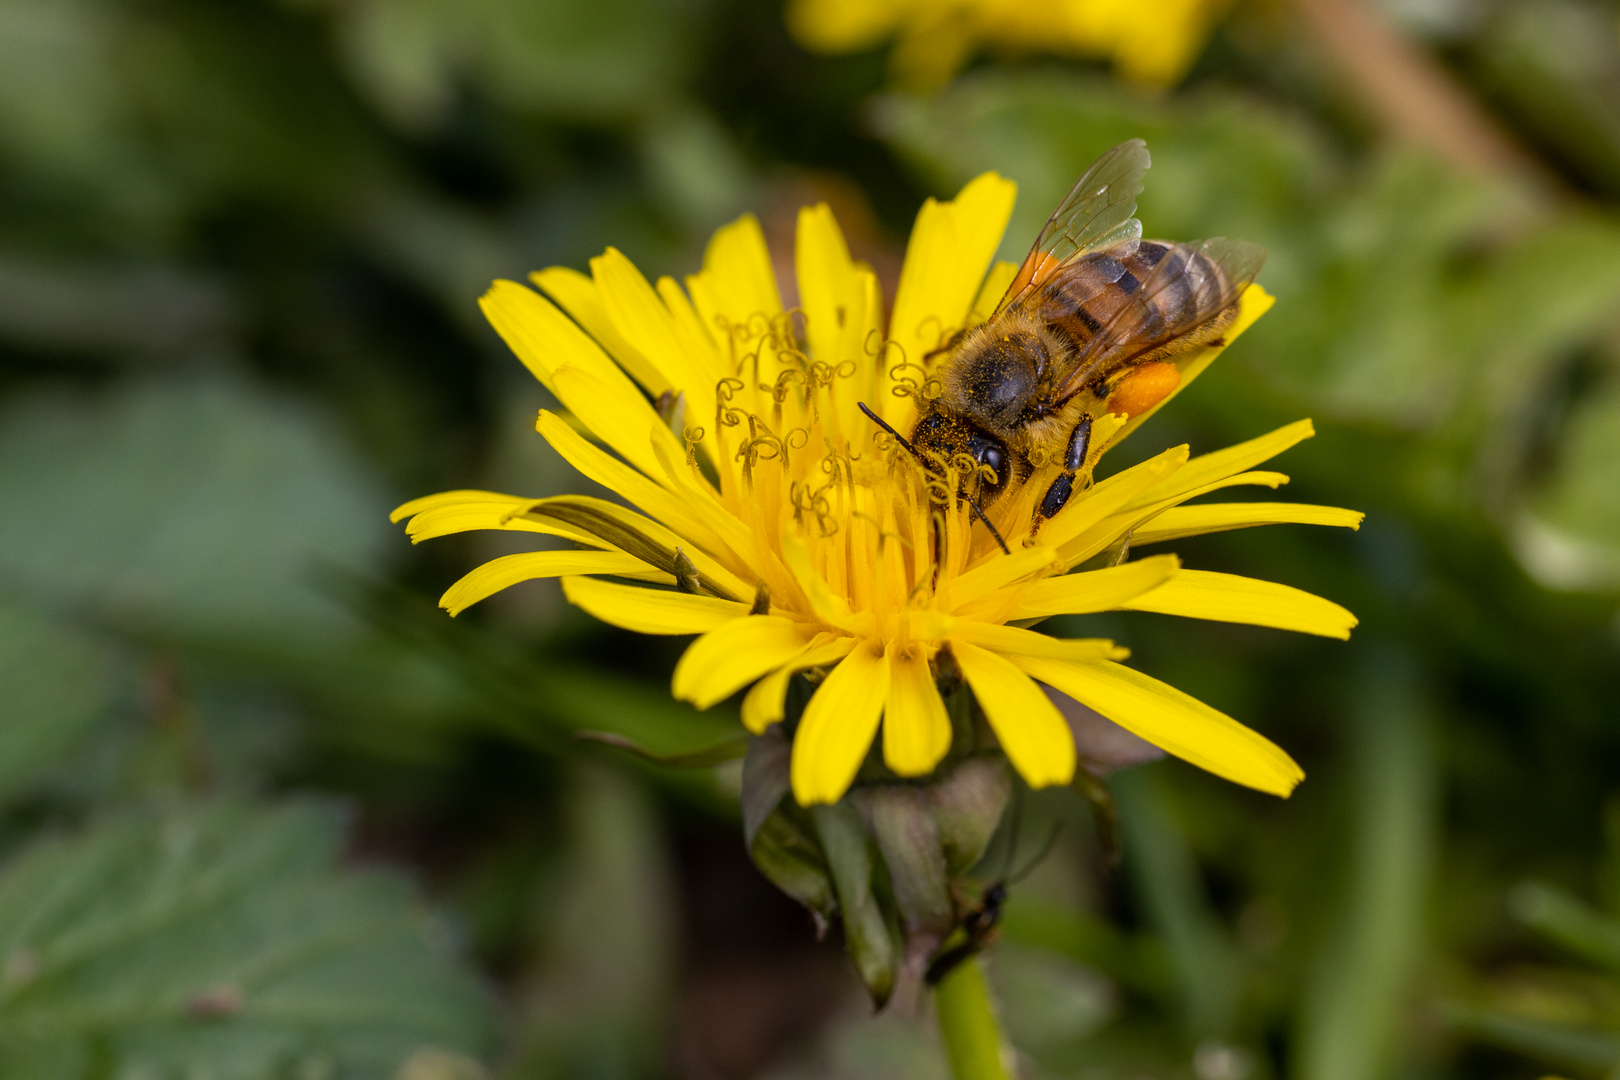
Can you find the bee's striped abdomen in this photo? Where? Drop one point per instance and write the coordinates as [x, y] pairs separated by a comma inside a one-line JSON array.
[[1078, 303], [1104, 289]]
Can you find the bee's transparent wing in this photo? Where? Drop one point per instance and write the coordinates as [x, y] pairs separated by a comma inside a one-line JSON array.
[[1096, 213], [1190, 284]]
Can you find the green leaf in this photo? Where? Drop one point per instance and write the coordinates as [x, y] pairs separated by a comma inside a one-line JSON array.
[[595, 1003], [643, 717], [220, 941], [1166, 876], [867, 933], [202, 508], [1579, 1047], [781, 836], [1562, 918], [582, 59], [718, 754], [56, 686], [1572, 537], [1355, 1003], [1047, 999]]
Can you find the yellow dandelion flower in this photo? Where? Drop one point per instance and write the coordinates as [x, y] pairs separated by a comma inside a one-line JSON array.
[[1152, 43], [776, 523]]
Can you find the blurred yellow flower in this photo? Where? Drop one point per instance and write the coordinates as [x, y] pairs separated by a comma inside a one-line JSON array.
[[778, 524], [1149, 42]]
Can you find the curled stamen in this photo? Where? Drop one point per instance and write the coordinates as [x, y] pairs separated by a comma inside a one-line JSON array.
[[754, 450], [784, 384], [726, 414], [815, 503], [907, 385], [761, 438], [838, 469]]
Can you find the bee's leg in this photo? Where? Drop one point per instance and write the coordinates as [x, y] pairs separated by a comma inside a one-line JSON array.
[[1057, 496], [1079, 445]]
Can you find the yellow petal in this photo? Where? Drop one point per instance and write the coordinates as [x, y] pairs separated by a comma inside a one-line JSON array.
[[452, 498], [996, 573], [467, 517], [650, 611], [838, 726], [545, 339], [1138, 513], [765, 704], [1094, 590], [578, 295], [916, 730], [841, 303], [995, 287], [641, 317], [681, 515], [1033, 733], [611, 525], [739, 282], [837, 26], [508, 570], [617, 413], [829, 286], [575, 368], [828, 606], [1140, 509], [1013, 639], [695, 337], [1172, 720], [929, 625], [950, 249], [734, 654], [1209, 468], [1075, 533], [1180, 521], [1200, 594]]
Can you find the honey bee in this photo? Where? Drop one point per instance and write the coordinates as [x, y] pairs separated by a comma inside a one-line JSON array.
[[1094, 323]]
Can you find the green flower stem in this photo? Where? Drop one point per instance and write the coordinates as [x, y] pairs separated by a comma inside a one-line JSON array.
[[972, 1036]]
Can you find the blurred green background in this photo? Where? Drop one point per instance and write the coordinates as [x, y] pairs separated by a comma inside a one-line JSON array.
[[266, 812]]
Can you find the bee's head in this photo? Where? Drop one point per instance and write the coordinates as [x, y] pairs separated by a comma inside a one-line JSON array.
[[940, 437]]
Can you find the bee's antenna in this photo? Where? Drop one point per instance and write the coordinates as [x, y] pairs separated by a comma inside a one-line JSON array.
[[880, 422], [901, 439], [1005, 549]]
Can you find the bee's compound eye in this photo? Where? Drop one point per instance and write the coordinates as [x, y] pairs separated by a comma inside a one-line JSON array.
[[989, 452], [995, 459]]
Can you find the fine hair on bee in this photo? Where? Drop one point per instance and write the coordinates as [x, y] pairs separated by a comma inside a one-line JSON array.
[[1097, 321]]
